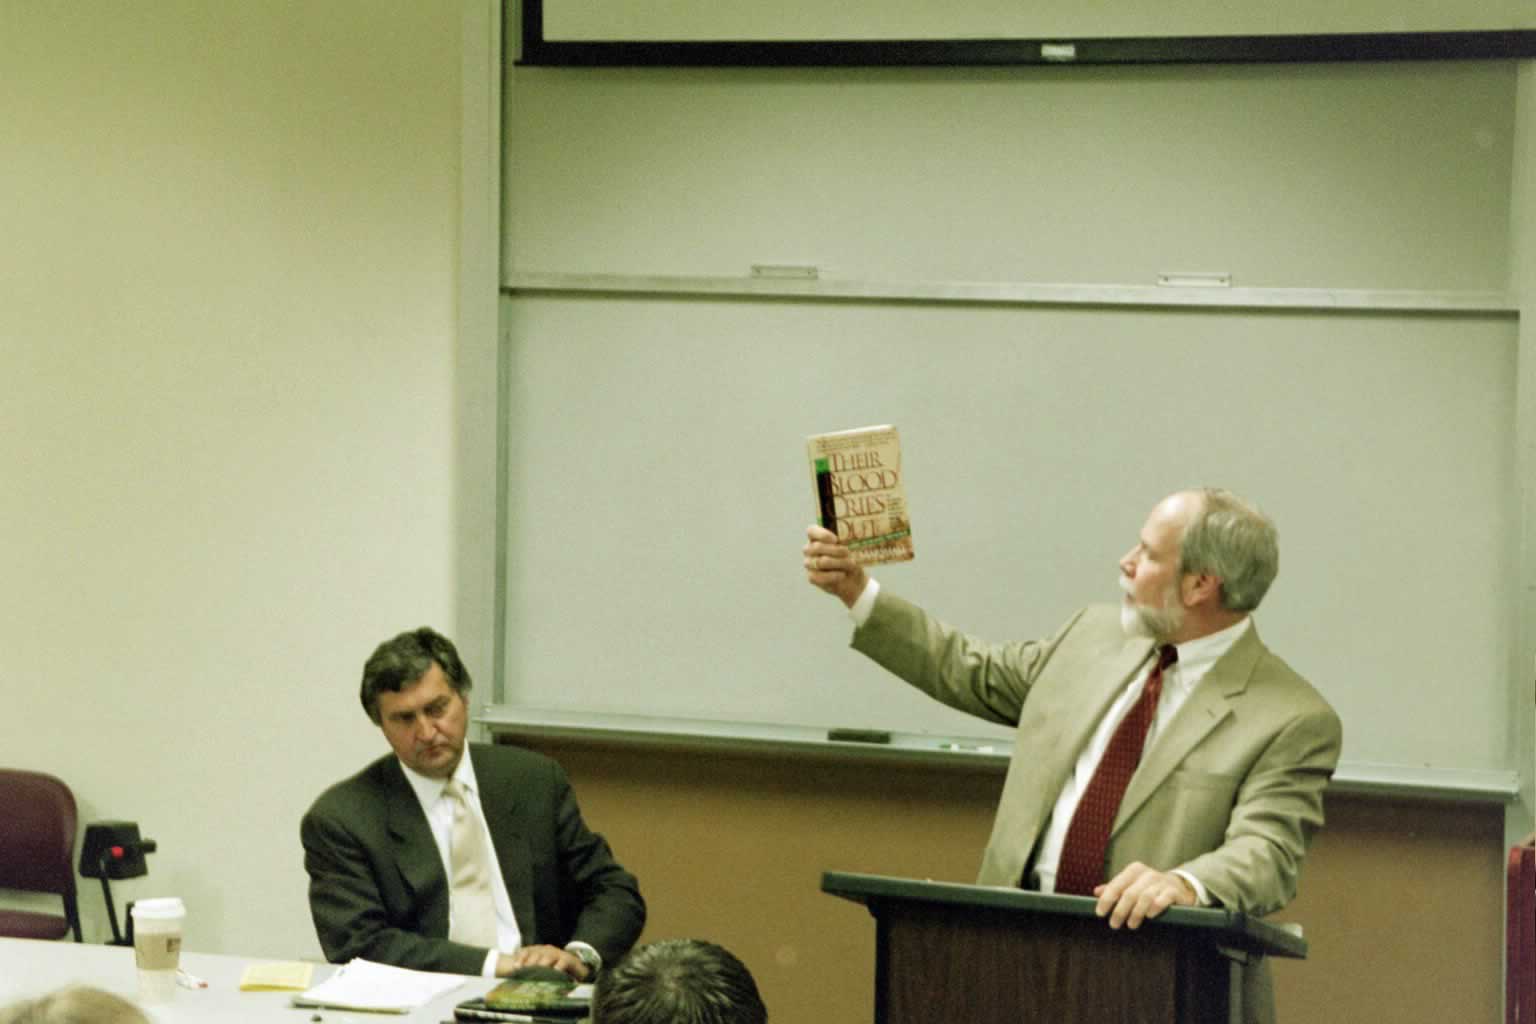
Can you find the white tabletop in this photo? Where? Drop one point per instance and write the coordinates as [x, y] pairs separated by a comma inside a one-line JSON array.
[[31, 968]]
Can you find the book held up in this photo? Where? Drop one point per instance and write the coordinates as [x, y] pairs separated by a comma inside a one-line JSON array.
[[860, 494]]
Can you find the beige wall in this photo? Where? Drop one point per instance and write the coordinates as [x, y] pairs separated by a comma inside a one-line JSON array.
[[228, 301]]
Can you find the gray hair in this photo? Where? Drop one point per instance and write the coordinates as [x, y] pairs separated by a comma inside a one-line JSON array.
[[1231, 539]]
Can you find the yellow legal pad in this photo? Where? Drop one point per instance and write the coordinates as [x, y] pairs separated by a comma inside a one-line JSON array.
[[279, 977]]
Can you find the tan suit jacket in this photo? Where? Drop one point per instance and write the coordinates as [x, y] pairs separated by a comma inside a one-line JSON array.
[[1231, 791]]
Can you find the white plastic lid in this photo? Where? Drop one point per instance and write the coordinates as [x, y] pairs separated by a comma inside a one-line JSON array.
[[160, 907]]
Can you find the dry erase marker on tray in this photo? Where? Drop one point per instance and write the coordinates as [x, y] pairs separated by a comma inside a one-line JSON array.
[[859, 735]]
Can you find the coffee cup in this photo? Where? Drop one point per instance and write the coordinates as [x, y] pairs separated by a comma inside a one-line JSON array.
[[157, 925]]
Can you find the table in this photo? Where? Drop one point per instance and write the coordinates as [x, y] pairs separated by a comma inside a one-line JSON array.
[[30, 967]]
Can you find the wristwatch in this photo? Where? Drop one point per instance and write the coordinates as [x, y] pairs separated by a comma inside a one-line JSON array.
[[587, 955]]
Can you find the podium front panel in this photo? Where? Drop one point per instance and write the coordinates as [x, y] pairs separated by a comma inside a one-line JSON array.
[[981, 966]]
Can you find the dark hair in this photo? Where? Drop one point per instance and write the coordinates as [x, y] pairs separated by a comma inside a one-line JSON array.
[[401, 662], [678, 981]]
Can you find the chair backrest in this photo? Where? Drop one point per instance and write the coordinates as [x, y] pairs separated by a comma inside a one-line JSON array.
[[1520, 938], [37, 840]]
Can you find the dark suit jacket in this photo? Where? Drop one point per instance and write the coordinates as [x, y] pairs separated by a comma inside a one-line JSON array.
[[377, 888]]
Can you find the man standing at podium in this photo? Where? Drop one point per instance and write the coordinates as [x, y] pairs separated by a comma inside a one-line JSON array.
[[1164, 755]]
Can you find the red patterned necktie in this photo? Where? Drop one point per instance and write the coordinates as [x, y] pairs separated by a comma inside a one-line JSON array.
[[1082, 852]]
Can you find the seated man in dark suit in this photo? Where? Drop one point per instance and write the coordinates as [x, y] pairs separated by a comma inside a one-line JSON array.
[[472, 865], [678, 980]]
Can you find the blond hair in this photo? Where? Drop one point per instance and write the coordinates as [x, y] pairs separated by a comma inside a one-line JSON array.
[[78, 1004]]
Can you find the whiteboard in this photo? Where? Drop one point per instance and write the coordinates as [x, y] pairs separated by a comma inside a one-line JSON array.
[[1380, 176], [656, 496], [702, 20]]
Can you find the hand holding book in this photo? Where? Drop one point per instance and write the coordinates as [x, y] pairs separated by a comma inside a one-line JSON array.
[[830, 566]]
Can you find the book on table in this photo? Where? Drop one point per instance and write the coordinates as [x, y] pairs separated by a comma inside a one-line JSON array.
[[530, 997]]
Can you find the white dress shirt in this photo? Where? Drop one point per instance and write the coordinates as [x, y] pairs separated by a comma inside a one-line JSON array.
[[439, 811], [1179, 680]]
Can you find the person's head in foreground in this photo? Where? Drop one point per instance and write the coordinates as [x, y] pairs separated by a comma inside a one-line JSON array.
[[76, 1005], [678, 981]]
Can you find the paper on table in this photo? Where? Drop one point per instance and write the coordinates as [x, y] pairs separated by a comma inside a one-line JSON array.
[[365, 985], [278, 977]]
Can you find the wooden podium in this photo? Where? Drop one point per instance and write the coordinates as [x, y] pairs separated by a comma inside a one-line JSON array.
[[970, 954]]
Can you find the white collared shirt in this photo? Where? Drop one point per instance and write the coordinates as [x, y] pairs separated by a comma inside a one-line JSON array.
[[1179, 680], [439, 810]]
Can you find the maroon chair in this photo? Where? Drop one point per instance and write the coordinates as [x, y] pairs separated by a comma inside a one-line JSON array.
[[1520, 938], [37, 849]]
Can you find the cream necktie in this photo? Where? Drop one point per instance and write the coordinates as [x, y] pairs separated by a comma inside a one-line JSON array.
[[472, 908]]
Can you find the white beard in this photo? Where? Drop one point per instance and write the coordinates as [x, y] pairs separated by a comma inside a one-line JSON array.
[[1132, 622], [1153, 623]]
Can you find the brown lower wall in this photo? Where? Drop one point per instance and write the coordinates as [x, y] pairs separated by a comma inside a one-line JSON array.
[[1403, 906], [1402, 901]]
